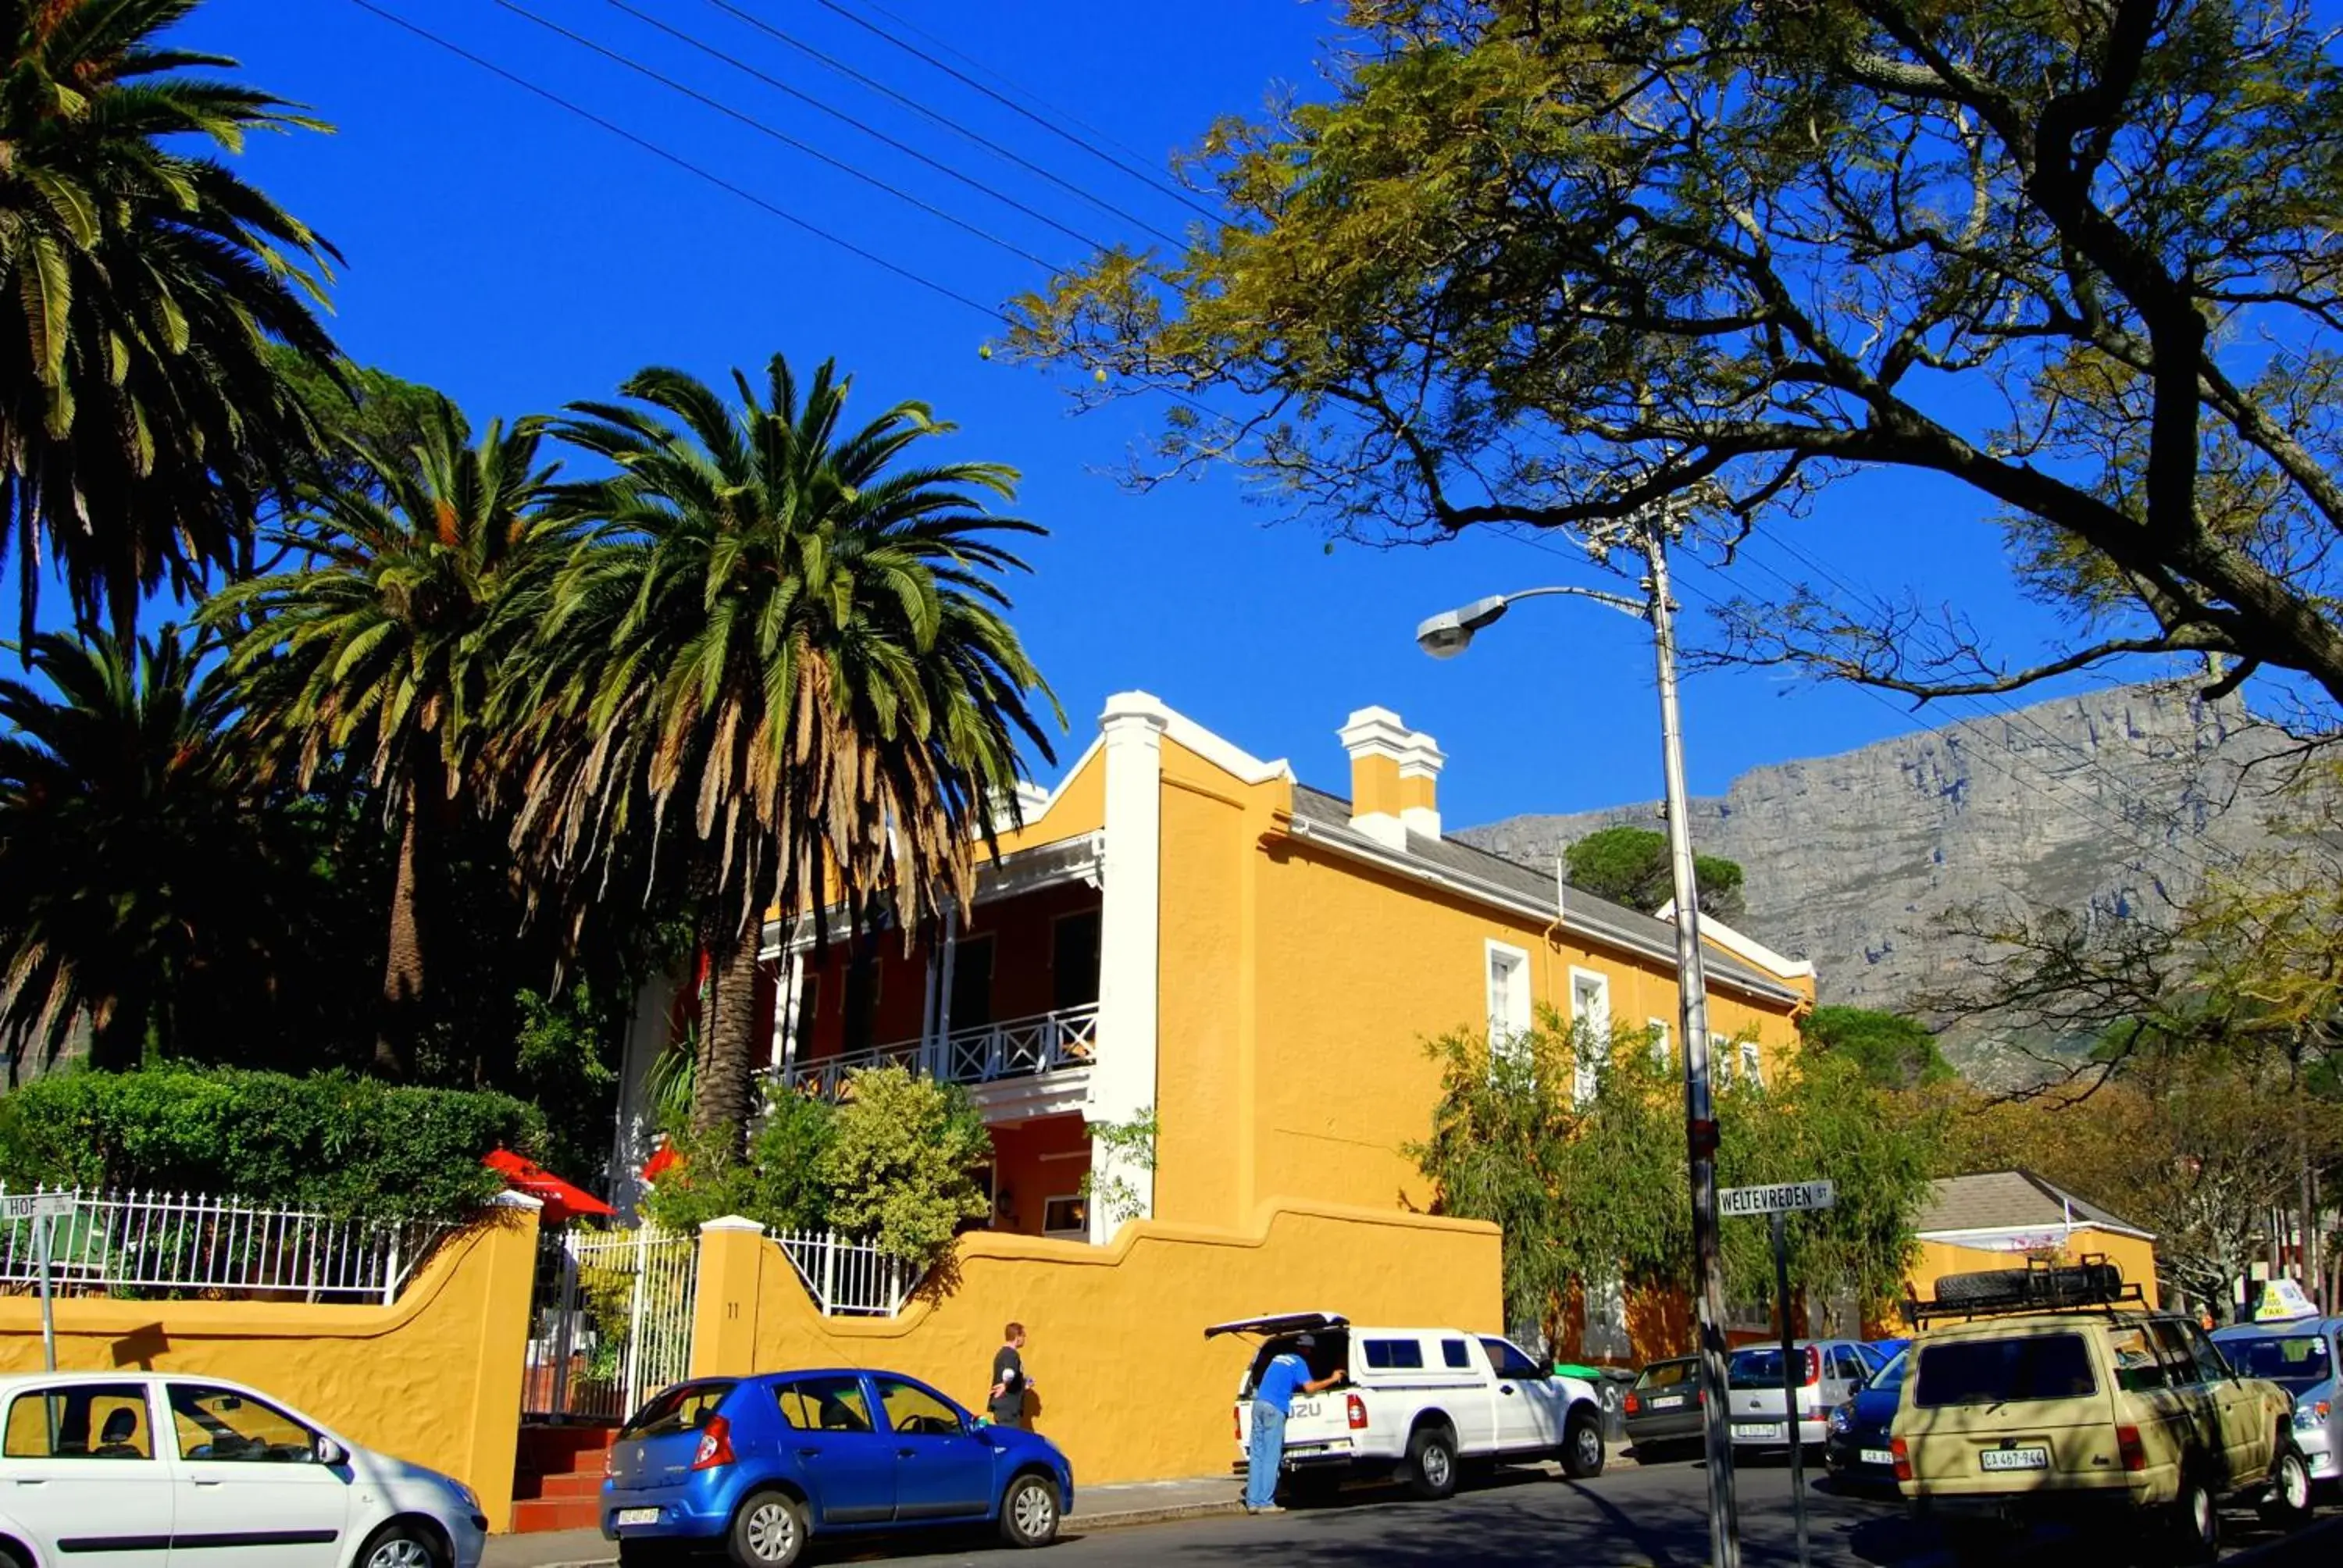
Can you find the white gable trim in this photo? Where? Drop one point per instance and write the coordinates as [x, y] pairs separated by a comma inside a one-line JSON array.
[[1743, 946]]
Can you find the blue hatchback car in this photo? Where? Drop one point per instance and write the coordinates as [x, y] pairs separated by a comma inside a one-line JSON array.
[[1856, 1446], [756, 1466]]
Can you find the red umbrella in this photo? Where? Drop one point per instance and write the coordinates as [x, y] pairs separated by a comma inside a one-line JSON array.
[[563, 1200], [663, 1160]]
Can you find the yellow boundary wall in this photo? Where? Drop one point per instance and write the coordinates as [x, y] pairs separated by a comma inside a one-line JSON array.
[[1123, 1379], [434, 1378]]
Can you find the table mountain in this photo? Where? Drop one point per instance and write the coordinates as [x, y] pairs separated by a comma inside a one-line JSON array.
[[2115, 800]]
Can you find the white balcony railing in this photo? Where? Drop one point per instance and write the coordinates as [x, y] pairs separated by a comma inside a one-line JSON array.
[[985, 1053]]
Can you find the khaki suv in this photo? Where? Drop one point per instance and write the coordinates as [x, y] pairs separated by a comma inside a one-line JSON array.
[[2059, 1393]]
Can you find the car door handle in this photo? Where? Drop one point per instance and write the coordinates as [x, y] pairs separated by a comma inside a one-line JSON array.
[[907, 1454], [201, 1482], [1505, 1388], [809, 1453]]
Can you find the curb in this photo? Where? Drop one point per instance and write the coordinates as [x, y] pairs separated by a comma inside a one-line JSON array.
[[1124, 1518]]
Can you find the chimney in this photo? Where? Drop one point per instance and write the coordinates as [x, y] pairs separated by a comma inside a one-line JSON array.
[[1394, 778]]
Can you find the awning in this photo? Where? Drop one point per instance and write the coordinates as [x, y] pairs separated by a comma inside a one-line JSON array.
[[563, 1200]]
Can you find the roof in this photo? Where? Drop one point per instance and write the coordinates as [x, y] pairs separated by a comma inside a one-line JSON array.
[[1583, 914], [1999, 1201]]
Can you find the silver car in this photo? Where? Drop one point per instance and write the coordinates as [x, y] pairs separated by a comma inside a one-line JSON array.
[[2305, 1357], [1827, 1373]]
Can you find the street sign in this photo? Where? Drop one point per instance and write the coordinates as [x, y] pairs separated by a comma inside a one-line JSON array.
[[47, 1209], [1786, 1198], [36, 1206]]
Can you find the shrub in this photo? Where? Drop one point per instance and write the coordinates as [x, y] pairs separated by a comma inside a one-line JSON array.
[[346, 1145], [780, 1185], [901, 1164]]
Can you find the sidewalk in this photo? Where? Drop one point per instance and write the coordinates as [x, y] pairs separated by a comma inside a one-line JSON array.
[[1095, 1508]]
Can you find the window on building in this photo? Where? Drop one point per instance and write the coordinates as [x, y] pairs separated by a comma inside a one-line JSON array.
[[1660, 1049], [1590, 1018], [1753, 1064], [808, 1008], [865, 969], [971, 985], [1069, 1216], [1509, 995], [1720, 1059], [1074, 960]]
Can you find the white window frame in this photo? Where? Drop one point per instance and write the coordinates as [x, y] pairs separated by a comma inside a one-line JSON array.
[[1503, 1031], [1720, 1059], [1079, 1230], [1590, 1003], [1752, 1064], [1662, 1050]]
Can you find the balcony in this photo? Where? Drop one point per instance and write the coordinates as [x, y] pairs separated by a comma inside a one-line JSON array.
[[1020, 1068]]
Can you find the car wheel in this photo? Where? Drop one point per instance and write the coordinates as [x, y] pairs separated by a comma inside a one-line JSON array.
[[1581, 1445], [1431, 1462], [768, 1532], [14, 1556], [2196, 1522], [401, 1546], [1029, 1511], [2288, 1501]]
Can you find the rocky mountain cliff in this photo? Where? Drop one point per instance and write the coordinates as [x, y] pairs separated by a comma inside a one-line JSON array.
[[2117, 799]]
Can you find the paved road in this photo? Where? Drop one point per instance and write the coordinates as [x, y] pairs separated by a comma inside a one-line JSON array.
[[1630, 1518]]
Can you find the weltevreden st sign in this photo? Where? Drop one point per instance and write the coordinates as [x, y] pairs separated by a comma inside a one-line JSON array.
[[1786, 1198]]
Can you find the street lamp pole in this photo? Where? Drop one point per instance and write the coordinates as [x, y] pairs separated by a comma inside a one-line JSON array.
[[1446, 636], [1700, 1113]]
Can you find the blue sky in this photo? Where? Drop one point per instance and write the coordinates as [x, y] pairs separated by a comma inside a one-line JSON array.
[[517, 257]]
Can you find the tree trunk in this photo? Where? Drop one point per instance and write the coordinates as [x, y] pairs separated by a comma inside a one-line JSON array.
[[402, 972], [723, 1088]]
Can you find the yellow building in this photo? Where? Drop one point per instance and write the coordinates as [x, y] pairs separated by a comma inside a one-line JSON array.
[[1183, 929], [2003, 1219]]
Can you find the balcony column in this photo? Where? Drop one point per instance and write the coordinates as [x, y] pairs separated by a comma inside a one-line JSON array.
[[943, 1047], [1123, 1075]]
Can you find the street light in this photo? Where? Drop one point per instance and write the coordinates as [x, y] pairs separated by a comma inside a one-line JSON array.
[[1448, 634]]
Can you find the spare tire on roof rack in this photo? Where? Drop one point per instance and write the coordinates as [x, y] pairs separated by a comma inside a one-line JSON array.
[[2093, 1282]]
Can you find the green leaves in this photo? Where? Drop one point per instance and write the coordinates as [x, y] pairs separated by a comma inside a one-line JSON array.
[[902, 1168], [349, 1146]]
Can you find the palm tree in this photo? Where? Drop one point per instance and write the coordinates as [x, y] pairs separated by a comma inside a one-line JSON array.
[[144, 414], [774, 633], [117, 815], [377, 652]]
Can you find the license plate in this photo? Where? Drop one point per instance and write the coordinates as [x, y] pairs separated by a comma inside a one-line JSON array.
[[1878, 1456], [1673, 1401], [1771, 1432], [2014, 1458], [636, 1516]]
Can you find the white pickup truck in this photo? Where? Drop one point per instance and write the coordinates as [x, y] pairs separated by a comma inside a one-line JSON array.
[[1416, 1404]]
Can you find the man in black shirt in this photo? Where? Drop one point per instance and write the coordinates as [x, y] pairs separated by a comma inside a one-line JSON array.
[[1009, 1380]]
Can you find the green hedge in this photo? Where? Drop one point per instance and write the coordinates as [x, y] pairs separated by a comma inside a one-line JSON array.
[[343, 1144]]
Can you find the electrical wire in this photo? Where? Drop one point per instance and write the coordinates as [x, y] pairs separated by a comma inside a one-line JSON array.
[[618, 58], [778, 85], [1008, 155], [1135, 170]]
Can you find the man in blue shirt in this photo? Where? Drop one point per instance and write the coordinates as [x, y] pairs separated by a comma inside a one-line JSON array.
[[1287, 1374]]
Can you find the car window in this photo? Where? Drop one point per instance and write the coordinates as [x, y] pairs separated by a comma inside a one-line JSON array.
[[2209, 1354], [825, 1404], [1456, 1353], [687, 1407], [1872, 1358], [1889, 1378], [2300, 1362], [914, 1412], [80, 1420], [2004, 1371], [1665, 1374], [220, 1424], [2180, 1355], [1405, 1355], [1508, 1359], [1850, 1365], [2133, 1354]]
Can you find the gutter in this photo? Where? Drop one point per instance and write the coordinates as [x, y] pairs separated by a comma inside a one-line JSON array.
[[1417, 870]]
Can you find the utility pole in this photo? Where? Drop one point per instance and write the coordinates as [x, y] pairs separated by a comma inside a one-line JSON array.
[[1700, 1113]]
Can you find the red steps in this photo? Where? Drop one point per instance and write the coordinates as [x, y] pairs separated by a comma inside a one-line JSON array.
[[558, 1478]]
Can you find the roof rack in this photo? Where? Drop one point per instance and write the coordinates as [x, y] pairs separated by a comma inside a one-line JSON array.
[[2091, 1283]]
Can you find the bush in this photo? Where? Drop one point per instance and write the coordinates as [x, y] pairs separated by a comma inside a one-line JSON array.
[[350, 1146], [900, 1166], [780, 1185]]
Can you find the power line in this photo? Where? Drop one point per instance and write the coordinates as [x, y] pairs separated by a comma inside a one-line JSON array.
[[837, 113], [778, 135], [842, 69], [697, 170], [1132, 169]]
